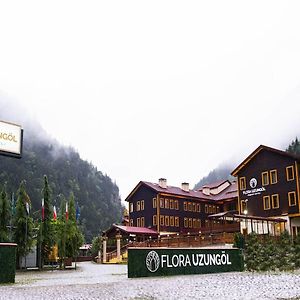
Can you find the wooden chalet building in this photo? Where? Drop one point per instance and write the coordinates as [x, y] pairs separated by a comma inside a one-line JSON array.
[[168, 209], [268, 187]]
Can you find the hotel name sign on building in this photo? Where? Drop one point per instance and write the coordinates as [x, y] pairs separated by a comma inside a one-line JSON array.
[[254, 189], [147, 262], [11, 139]]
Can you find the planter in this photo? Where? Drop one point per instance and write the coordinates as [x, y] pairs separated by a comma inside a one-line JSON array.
[[7, 262], [68, 261]]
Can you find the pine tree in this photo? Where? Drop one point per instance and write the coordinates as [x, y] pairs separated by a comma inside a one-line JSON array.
[[61, 231], [4, 216], [23, 224], [294, 147], [74, 236], [284, 252], [296, 252], [252, 252], [268, 254], [47, 232]]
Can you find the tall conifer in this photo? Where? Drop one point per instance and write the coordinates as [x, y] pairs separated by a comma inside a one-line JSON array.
[[4, 216], [23, 224]]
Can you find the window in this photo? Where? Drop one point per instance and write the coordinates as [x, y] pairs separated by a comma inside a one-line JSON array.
[[273, 176], [138, 206], [171, 204], [142, 204], [198, 223], [194, 206], [244, 208], [198, 207], [161, 200], [190, 206], [194, 223], [167, 219], [290, 173], [185, 206], [131, 207], [218, 209], [154, 203], [167, 203], [242, 183], [131, 222], [206, 208], [190, 223], [171, 221], [292, 198], [142, 222], [265, 178], [267, 202], [177, 221], [210, 209], [186, 224], [154, 220], [214, 209], [162, 220], [176, 205], [275, 201], [138, 222]]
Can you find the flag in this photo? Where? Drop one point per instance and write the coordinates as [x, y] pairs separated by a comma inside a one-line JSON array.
[[67, 213], [54, 213], [77, 212], [13, 204], [27, 207], [43, 210]]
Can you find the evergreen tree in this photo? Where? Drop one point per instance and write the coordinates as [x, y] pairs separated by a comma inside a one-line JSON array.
[[252, 252], [61, 231], [74, 236], [23, 224], [47, 232], [296, 252], [268, 254], [284, 252], [294, 147], [4, 216]]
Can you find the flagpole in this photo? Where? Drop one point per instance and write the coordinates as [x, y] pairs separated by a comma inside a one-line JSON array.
[[41, 237], [26, 241]]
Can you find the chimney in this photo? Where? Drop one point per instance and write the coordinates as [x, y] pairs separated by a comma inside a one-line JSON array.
[[185, 186], [162, 182], [206, 190]]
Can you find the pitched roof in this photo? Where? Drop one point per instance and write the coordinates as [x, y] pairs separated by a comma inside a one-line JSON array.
[[132, 230], [228, 193], [258, 150]]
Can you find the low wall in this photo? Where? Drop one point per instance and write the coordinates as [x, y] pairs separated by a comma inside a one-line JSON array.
[[7, 262], [147, 262]]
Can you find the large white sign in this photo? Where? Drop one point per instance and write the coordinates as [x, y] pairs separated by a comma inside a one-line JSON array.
[[10, 138]]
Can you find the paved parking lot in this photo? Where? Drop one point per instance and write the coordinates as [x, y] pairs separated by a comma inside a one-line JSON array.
[[92, 281]]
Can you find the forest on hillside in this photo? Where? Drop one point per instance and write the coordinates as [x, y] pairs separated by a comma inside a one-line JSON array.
[[96, 194]]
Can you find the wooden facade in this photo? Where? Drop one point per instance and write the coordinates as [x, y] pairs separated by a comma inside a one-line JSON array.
[[169, 209], [268, 185]]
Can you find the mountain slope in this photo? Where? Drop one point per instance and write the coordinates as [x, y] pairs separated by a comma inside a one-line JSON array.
[[96, 194]]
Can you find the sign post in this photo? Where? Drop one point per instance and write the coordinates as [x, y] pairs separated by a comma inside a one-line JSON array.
[[148, 262], [11, 139]]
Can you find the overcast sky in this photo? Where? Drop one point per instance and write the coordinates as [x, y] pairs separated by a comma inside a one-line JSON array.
[[150, 89]]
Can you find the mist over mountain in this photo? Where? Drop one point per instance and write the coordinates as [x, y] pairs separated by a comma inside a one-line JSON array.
[[97, 196], [220, 173]]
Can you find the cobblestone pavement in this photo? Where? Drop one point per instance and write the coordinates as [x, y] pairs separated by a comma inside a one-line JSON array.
[[92, 281]]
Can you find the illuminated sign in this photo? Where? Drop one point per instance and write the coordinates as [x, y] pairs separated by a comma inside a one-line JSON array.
[[11, 139]]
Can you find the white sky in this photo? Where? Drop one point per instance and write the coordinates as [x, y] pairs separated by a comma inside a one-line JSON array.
[[150, 89]]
